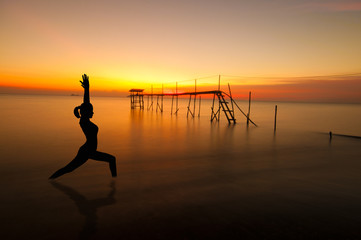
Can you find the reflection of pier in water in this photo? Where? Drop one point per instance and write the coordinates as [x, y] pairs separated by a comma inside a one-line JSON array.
[[226, 103]]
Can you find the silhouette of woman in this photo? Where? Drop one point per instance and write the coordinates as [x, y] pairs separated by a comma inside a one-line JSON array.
[[89, 149]]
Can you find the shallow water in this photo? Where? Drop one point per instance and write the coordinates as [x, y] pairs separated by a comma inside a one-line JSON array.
[[180, 178]]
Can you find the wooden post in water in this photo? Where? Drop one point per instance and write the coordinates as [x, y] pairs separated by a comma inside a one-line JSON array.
[[152, 98], [176, 91], [158, 106], [141, 100], [162, 96], [219, 104], [199, 110], [249, 108], [195, 96], [131, 101], [189, 104], [230, 94], [213, 114], [148, 102], [171, 111], [275, 125], [219, 82]]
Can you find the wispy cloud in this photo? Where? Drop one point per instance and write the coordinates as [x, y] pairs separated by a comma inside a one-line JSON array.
[[346, 89], [339, 6]]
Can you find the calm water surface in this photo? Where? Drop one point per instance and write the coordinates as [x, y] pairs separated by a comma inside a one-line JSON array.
[[180, 178]]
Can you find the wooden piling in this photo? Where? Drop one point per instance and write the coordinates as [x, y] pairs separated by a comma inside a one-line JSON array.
[[213, 114], [249, 108], [189, 104], [162, 97], [147, 102], [275, 124], [219, 104], [195, 96], [156, 109], [176, 91], [199, 110], [230, 94], [171, 111], [152, 98]]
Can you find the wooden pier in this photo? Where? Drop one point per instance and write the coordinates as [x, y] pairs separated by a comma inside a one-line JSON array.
[[226, 103], [136, 98]]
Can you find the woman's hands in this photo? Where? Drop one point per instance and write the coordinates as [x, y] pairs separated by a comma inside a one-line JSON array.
[[85, 85], [85, 82]]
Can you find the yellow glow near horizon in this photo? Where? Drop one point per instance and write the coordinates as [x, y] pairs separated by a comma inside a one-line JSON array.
[[123, 45]]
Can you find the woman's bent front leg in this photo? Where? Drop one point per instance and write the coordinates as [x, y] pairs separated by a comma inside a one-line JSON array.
[[105, 157]]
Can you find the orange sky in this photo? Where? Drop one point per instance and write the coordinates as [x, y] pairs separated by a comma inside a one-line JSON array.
[[48, 45]]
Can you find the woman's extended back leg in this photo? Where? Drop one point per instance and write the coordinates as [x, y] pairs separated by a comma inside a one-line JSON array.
[[79, 160], [105, 157]]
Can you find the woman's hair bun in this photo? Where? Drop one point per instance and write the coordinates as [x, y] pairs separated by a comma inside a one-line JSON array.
[[76, 112]]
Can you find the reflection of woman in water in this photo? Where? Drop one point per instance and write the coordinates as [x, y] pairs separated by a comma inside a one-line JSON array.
[[88, 207], [89, 149]]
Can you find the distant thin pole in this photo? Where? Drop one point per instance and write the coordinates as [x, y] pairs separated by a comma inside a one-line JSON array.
[[275, 119], [195, 96], [171, 111], [199, 110], [156, 108], [195, 85], [152, 98], [148, 102], [131, 100], [219, 103], [213, 114], [249, 108], [189, 104], [162, 96], [230, 94], [176, 91], [142, 101]]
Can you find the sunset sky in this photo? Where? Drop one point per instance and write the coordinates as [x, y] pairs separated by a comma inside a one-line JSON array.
[[258, 45]]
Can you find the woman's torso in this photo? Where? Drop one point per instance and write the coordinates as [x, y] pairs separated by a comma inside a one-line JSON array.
[[91, 131]]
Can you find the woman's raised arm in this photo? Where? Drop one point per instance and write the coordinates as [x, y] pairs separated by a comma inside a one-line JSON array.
[[85, 85]]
